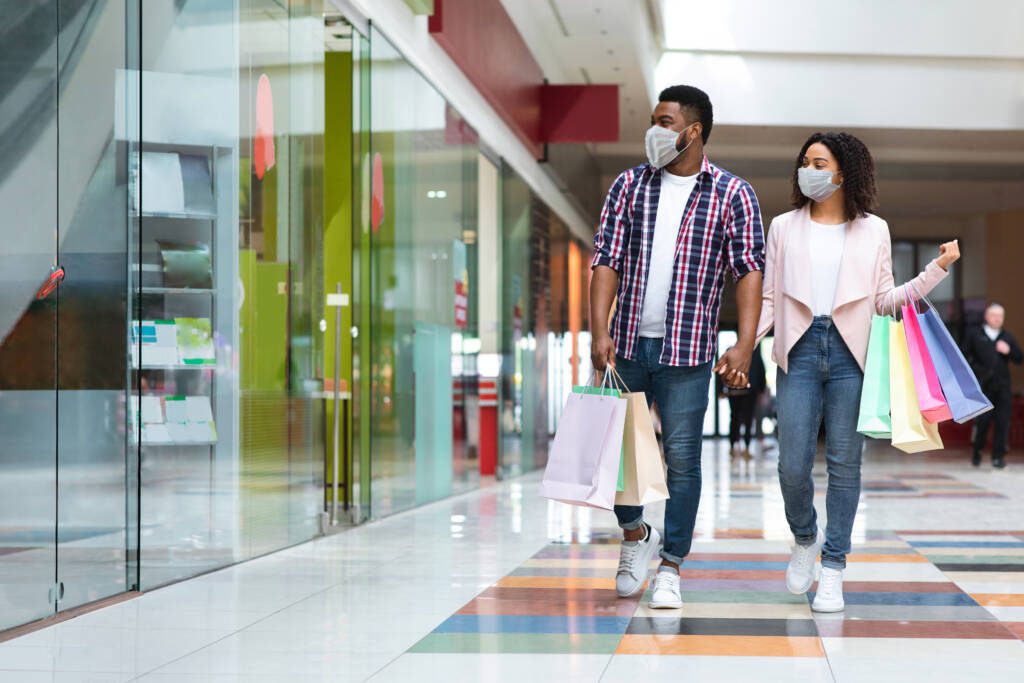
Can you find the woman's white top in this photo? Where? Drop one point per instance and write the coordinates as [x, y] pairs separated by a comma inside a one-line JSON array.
[[827, 243]]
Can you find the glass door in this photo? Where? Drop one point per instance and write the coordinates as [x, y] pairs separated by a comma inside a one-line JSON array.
[[64, 517], [28, 312], [93, 406]]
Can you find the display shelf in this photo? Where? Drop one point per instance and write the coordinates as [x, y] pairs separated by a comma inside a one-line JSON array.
[[173, 228], [187, 215], [177, 290]]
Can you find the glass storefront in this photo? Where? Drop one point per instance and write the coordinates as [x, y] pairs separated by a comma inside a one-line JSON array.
[[544, 348], [242, 238], [423, 278]]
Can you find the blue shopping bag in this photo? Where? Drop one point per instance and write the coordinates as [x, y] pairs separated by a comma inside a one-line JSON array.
[[963, 393]]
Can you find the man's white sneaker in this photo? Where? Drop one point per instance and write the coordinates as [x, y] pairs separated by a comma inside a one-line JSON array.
[[666, 591], [829, 597], [800, 572], [635, 563]]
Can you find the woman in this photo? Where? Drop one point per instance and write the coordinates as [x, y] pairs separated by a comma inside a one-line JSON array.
[[828, 270]]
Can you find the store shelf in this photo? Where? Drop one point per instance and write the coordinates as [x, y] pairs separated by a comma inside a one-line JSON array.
[[188, 215], [177, 290], [176, 367]]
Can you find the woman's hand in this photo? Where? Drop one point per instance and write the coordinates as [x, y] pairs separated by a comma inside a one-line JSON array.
[[949, 253]]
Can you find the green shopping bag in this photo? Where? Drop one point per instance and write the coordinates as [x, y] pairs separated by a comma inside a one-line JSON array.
[[874, 419], [606, 391]]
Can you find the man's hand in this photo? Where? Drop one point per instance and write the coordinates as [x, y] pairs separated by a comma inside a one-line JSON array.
[[1002, 347], [734, 367], [602, 352]]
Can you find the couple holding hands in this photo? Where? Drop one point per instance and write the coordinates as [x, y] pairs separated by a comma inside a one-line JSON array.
[[669, 231]]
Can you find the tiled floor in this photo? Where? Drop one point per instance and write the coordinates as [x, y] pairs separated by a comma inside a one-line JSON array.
[[502, 585]]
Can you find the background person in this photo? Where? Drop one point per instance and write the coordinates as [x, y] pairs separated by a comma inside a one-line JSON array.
[[743, 405], [990, 349]]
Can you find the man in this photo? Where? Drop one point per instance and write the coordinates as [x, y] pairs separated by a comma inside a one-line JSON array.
[[990, 349], [669, 230]]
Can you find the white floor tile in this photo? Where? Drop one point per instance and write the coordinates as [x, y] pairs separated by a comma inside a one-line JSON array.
[[493, 668], [677, 668], [928, 659]]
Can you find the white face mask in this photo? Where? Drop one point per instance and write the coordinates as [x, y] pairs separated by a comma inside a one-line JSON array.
[[815, 183], [660, 144]]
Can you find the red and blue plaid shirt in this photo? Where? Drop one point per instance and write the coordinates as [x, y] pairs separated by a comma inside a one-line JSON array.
[[719, 229]]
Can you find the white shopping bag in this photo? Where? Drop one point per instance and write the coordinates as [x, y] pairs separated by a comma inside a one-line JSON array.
[[583, 462]]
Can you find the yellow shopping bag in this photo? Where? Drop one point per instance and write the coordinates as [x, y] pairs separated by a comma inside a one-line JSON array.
[[911, 433]]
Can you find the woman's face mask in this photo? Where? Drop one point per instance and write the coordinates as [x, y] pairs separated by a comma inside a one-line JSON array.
[[660, 144], [816, 183]]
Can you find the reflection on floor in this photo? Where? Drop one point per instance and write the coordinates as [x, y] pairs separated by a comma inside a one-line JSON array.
[[502, 585]]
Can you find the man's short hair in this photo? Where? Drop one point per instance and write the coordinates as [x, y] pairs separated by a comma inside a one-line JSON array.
[[694, 99]]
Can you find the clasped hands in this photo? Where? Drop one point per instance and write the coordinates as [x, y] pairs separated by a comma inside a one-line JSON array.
[[734, 367]]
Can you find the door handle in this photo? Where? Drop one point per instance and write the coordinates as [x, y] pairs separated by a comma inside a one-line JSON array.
[[51, 283]]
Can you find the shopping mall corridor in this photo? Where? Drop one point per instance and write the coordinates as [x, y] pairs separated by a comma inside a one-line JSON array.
[[501, 585]]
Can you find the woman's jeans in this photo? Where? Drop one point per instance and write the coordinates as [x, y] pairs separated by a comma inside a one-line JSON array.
[[682, 397], [824, 381]]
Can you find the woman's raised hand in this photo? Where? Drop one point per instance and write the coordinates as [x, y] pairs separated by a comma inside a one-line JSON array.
[[948, 254]]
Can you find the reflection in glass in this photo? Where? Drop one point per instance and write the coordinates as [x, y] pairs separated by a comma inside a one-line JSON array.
[[423, 279]]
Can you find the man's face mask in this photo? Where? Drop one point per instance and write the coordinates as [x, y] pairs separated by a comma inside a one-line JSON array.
[[660, 144], [815, 183]]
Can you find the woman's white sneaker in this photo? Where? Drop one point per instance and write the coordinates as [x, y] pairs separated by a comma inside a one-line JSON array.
[[829, 597], [666, 590], [800, 572], [635, 563]]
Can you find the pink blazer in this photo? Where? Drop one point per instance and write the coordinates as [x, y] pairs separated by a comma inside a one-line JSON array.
[[865, 283]]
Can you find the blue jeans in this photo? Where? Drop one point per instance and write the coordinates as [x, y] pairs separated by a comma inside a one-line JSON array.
[[824, 381], [682, 397]]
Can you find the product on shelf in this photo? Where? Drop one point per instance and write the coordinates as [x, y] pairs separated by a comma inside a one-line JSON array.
[[186, 265]]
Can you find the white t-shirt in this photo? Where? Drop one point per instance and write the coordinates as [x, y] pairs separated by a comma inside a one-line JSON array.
[[675, 192], [826, 244], [992, 333]]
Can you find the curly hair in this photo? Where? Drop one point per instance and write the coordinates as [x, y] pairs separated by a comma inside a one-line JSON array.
[[858, 170]]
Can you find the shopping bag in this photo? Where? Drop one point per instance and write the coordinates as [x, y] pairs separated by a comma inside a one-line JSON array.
[[926, 382], [605, 391], [641, 456], [873, 419], [911, 433], [585, 456], [959, 384]]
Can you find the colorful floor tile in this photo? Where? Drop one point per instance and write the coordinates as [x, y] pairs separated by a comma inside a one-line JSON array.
[[562, 600]]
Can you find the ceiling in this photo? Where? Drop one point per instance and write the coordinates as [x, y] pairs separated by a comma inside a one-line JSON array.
[[943, 118]]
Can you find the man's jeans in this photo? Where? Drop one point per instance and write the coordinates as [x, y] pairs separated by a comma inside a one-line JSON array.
[[682, 397], [824, 380]]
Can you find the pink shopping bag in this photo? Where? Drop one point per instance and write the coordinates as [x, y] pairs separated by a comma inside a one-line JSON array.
[[926, 381], [584, 458]]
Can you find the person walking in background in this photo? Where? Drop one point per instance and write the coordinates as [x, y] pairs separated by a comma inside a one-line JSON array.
[[670, 230], [990, 349], [828, 272], [743, 407]]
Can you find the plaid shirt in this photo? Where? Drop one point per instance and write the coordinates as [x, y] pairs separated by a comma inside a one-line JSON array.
[[720, 227]]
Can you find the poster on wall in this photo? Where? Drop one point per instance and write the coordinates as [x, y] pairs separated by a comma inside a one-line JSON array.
[[461, 274]]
